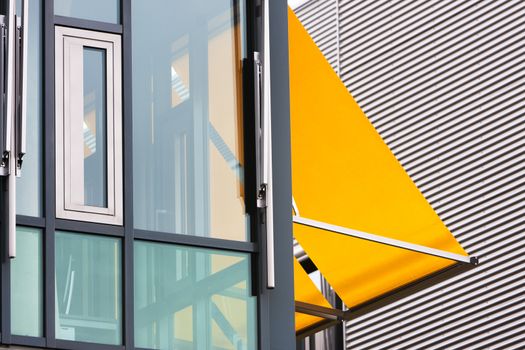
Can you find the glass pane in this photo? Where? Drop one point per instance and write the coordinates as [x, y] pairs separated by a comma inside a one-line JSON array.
[[27, 284], [96, 10], [94, 128], [88, 288], [187, 117], [29, 185], [189, 298]]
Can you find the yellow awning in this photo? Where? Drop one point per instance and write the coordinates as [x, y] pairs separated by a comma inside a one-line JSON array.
[[306, 292], [344, 174]]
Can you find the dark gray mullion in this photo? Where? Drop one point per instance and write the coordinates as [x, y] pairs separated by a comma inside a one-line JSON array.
[[127, 276], [263, 312], [196, 241], [281, 299], [30, 221], [28, 341], [77, 345], [49, 177], [88, 24], [5, 278], [89, 227]]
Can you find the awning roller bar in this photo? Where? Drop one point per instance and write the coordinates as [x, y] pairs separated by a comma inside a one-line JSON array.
[[385, 240]]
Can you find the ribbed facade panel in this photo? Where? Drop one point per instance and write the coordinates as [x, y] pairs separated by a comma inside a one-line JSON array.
[[319, 17], [443, 82]]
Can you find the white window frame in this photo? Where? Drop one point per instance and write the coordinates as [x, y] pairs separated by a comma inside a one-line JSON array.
[[69, 44]]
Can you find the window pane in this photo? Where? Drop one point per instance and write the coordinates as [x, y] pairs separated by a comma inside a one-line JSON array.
[[187, 117], [88, 288], [94, 128], [189, 298], [96, 10], [29, 185], [26, 284]]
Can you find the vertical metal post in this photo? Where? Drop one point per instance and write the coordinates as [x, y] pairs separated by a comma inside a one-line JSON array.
[[10, 128], [21, 85], [4, 166], [267, 148]]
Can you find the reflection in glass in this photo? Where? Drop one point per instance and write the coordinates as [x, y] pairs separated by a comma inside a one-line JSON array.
[[190, 298], [96, 10], [29, 185], [94, 128], [88, 288], [27, 284], [187, 117]]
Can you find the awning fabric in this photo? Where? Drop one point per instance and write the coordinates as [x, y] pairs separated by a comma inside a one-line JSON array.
[[344, 174], [307, 292]]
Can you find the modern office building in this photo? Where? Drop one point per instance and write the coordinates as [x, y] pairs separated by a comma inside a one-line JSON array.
[[443, 83]]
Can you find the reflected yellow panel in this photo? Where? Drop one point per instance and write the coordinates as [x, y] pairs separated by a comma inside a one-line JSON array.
[[307, 292], [183, 324], [344, 174], [229, 326], [227, 216]]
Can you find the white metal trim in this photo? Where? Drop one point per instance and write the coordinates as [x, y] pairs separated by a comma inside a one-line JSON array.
[[267, 147], [69, 176]]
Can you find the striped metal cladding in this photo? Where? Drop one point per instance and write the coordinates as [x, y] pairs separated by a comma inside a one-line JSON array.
[[444, 84], [320, 18]]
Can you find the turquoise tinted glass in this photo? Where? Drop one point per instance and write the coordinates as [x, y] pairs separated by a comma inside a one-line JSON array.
[[187, 117], [95, 10], [189, 298], [29, 185], [26, 284], [88, 288], [94, 128]]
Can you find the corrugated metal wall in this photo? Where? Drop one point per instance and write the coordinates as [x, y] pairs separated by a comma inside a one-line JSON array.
[[444, 83], [319, 17]]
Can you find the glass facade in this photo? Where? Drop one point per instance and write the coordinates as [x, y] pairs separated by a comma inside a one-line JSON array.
[[88, 288], [27, 276], [95, 10], [94, 128], [192, 298], [187, 117], [154, 279]]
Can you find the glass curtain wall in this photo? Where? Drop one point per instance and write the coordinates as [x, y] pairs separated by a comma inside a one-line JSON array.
[[191, 298], [96, 10], [70, 283], [27, 277], [187, 117], [88, 288]]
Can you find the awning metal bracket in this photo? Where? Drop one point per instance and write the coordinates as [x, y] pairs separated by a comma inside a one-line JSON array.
[[13, 97]]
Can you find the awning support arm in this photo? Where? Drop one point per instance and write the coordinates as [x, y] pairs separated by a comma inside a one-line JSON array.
[[319, 311], [385, 240]]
